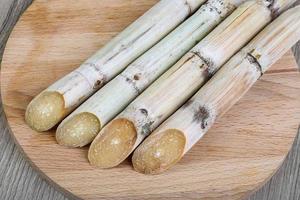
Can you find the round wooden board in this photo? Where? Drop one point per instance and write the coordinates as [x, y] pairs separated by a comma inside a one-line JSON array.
[[240, 152]]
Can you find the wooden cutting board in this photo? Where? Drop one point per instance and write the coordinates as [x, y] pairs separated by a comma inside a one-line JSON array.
[[238, 155]]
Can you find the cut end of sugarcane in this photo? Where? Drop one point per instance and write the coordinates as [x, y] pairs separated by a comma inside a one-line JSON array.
[[113, 145], [45, 111], [159, 152], [79, 130]]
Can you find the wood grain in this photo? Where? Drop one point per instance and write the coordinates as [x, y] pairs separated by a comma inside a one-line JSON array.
[[30, 187]]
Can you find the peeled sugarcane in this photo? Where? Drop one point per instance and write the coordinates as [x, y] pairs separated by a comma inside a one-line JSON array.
[[176, 136], [82, 126], [61, 98], [123, 134]]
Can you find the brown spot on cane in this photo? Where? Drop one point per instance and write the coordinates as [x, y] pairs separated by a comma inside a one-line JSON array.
[[144, 112], [207, 72], [201, 115], [102, 77], [132, 83], [136, 77], [97, 84]]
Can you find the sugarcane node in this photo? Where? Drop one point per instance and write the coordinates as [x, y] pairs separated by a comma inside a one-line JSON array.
[[207, 73], [100, 82], [208, 61], [254, 61], [201, 115], [213, 7]]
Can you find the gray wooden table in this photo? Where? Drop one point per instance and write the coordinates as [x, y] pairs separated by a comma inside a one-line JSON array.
[[18, 180]]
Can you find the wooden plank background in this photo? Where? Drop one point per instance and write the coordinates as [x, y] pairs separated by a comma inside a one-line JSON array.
[[18, 180]]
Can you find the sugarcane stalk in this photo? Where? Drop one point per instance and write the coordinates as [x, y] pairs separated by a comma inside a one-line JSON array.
[[116, 141], [177, 135], [62, 97], [81, 127]]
